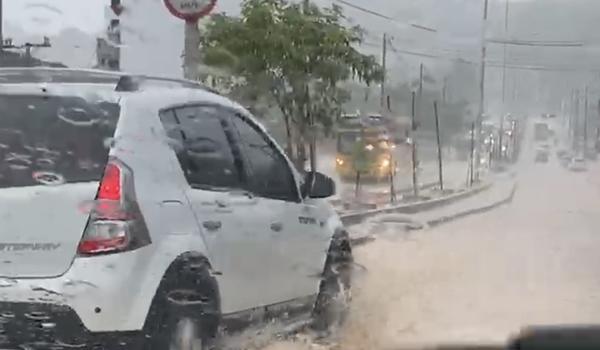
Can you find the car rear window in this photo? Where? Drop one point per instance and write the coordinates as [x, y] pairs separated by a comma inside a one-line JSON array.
[[52, 140]]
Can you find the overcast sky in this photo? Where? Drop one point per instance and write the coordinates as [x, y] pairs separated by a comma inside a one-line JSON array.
[[51, 16]]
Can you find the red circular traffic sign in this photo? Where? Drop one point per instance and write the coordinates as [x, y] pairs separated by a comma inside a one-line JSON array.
[[190, 10]]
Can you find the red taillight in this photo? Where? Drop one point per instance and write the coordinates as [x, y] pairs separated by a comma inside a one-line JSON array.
[[115, 222], [110, 186]]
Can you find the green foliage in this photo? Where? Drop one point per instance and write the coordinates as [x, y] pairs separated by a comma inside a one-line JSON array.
[[295, 53]]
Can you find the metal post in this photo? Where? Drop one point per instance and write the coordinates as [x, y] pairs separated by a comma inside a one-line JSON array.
[[575, 120], [445, 90], [392, 173], [420, 96], [471, 155], [501, 137], [383, 67], [414, 148], [571, 112], [585, 122], [439, 145], [191, 58]]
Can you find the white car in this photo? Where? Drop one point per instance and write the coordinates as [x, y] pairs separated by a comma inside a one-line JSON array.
[[152, 215], [578, 164]]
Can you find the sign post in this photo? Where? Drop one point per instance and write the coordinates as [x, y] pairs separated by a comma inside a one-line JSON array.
[[191, 11]]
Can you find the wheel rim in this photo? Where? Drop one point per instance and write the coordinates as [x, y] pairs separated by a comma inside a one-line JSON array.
[[185, 336]]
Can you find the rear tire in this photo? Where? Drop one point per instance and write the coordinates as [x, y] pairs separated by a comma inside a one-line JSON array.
[[185, 336], [185, 311]]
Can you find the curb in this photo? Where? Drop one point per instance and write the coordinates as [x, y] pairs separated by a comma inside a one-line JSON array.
[[401, 191], [412, 208], [446, 219]]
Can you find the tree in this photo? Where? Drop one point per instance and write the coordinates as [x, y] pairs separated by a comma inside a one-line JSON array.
[[296, 54]]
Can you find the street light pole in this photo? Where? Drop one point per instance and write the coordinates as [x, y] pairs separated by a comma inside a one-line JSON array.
[[480, 108]]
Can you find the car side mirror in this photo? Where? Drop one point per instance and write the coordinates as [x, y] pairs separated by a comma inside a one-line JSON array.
[[317, 185]]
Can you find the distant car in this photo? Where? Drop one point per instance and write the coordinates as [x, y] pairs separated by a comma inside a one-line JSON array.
[[578, 164], [541, 156]]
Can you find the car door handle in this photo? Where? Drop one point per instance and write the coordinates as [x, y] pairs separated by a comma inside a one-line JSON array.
[[276, 226], [212, 225]]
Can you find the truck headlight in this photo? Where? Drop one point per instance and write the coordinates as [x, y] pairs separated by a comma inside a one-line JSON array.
[[339, 161], [385, 163]]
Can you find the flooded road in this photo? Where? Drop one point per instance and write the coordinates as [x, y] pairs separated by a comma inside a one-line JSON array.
[[483, 278]]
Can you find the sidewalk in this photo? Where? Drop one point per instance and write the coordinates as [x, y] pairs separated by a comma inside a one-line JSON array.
[[455, 174], [499, 193]]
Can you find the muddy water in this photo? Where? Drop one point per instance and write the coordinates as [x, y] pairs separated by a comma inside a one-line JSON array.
[[484, 278]]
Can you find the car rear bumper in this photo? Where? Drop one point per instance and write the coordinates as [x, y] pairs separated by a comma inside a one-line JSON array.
[[109, 293], [52, 326]]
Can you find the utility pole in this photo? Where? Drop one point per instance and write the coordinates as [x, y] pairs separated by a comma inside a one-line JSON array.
[[415, 164], [504, 59], [445, 90], [392, 173], [585, 122], [439, 145], [471, 155], [504, 109], [383, 66], [500, 136], [575, 120], [420, 96], [480, 108], [571, 112], [1, 26]]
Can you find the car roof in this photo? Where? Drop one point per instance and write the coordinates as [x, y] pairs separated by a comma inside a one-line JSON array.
[[68, 76], [159, 92], [158, 99]]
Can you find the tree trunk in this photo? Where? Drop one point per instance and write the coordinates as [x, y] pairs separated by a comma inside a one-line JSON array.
[[300, 158], [357, 185], [289, 148]]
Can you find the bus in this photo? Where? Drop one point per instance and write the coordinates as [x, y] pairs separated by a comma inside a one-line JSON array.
[[368, 144], [541, 131]]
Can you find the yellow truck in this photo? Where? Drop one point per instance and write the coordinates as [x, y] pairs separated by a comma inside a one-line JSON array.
[[367, 144]]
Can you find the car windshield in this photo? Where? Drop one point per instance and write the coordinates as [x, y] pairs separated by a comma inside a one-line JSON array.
[[348, 140], [298, 174]]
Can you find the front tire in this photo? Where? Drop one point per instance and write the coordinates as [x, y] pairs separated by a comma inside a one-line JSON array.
[[333, 301]]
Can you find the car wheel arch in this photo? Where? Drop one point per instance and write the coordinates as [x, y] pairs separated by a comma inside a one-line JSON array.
[[189, 270]]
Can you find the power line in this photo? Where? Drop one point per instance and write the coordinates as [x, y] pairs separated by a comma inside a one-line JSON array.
[[536, 43], [489, 63], [381, 15]]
